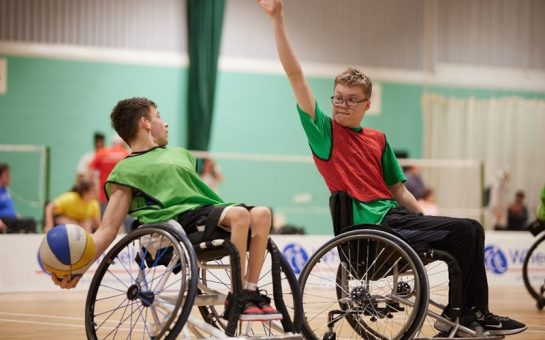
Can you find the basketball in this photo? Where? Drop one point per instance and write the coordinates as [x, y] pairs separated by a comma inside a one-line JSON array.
[[66, 250]]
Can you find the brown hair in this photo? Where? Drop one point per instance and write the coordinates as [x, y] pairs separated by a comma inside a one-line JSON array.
[[127, 113], [353, 77], [3, 167], [82, 188]]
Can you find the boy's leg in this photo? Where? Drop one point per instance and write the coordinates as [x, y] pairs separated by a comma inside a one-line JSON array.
[[238, 220], [459, 237], [260, 224], [256, 306], [464, 240]]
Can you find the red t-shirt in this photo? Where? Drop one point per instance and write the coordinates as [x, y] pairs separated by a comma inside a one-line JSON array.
[[104, 162]]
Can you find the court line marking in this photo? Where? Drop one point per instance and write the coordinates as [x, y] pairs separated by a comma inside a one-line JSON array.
[[43, 323], [61, 324], [43, 316]]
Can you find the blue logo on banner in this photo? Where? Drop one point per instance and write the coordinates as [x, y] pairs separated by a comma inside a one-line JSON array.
[[495, 260], [296, 256]]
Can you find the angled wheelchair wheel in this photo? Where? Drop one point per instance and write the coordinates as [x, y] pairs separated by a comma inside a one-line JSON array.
[[366, 284], [278, 281], [144, 287], [532, 272], [438, 279]]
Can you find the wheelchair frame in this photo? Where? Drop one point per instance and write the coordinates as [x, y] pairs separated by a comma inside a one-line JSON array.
[[148, 283], [382, 293], [537, 292]]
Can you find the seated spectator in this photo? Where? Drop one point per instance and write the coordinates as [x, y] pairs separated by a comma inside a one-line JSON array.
[[428, 204], [10, 221], [211, 173], [78, 206], [517, 214], [414, 182]]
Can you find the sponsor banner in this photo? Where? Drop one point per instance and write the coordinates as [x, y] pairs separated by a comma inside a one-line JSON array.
[[20, 270], [504, 255]]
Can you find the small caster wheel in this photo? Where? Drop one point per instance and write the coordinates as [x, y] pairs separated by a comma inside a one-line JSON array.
[[540, 303], [330, 336]]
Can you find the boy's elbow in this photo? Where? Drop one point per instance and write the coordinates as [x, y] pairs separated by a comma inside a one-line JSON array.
[[295, 74]]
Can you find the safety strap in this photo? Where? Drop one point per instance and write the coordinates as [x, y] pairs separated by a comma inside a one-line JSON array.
[[212, 222]]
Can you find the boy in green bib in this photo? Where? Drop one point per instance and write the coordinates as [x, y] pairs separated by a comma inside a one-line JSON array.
[[156, 183]]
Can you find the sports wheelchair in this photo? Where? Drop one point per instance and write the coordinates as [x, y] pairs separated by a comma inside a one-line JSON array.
[[148, 283], [369, 282], [532, 267]]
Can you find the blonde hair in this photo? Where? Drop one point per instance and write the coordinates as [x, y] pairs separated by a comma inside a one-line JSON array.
[[353, 77]]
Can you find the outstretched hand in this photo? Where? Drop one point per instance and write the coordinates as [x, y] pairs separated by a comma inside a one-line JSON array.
[[67, 282], [272, 7]]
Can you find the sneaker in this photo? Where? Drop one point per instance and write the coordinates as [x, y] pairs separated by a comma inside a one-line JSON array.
[[264, 303], [250, 311], [466, 319], [498, 325]]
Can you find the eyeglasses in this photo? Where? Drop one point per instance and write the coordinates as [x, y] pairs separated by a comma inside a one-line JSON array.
[[350, 102]]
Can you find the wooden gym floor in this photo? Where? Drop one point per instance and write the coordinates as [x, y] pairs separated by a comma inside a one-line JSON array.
[[60, 315]]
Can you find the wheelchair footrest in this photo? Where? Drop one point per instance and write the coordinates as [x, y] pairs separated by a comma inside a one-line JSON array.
[[445, 337], [210, 299], [291, 336]]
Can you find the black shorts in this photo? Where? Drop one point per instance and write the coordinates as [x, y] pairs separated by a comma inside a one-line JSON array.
[[194, 220]]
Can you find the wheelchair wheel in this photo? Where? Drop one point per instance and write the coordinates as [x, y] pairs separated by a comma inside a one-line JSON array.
[[438, 279], [532, 272], [280, 284], [144, 287], [366, 284]]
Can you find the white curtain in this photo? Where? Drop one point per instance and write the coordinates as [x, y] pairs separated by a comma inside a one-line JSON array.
[[504, 133]]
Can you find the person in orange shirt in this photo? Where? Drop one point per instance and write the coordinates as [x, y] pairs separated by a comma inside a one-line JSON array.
[[104, 161]]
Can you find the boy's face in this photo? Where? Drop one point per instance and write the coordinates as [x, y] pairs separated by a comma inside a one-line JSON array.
[[5, 178], [350, 114], [159, 128]]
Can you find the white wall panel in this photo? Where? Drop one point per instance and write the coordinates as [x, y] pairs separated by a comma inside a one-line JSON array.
[[396, 34]]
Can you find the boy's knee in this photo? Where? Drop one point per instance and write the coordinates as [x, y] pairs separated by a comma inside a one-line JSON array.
[[239, 216], [477, 228], [261, 215]]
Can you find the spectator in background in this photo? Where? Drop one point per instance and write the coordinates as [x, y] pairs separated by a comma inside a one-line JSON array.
[[538, 225], [103, 163], [414, 183], [78, 206], [517, 214], [211, 174], [540, 213], [428, 204], [499, 200], [84, 171], [10, 222]]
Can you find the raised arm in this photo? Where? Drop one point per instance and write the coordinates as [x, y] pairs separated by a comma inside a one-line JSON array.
[[288, 58], [117, 209]]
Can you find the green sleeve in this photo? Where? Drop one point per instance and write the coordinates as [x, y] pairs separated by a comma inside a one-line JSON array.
[[391, 171], [318, 132], [541, 208]]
